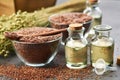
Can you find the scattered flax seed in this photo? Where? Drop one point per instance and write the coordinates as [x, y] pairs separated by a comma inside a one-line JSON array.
[[52, 73]]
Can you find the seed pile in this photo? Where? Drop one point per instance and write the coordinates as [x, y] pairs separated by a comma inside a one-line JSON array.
[[73, 18], [53, 73], [33, 35]]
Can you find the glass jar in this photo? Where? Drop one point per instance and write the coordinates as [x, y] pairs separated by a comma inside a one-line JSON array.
[[76, 47], [103, 45]]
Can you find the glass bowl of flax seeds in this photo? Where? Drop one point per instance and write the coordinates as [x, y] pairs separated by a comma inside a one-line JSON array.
[[63, 20], [34, 46]]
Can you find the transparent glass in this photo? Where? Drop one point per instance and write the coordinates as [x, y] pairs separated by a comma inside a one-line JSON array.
[[37, 54], [60, 25], [103, 45], [76, 49], [94, 11]]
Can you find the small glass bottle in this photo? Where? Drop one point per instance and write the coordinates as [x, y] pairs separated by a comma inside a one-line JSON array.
[[93, 10], [76, 47], [103, 45]]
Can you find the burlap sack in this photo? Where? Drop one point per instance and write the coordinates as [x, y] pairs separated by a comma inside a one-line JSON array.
[[8, 7]]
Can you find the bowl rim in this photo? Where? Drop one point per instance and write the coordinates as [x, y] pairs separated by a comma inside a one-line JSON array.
[[51, 21], [59, 38]]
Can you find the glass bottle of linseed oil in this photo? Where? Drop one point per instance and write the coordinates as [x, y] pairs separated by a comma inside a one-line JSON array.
[[103, 45], [76, 47], [92, 9]]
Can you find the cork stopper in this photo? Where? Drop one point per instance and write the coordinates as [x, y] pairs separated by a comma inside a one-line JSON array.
[[118, 60], [93, 1], [76, 26]]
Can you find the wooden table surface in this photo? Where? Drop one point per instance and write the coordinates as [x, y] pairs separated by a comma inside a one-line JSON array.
[[111, 16]]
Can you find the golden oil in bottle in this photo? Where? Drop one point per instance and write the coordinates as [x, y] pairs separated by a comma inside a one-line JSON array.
[[76, 54], [103, 45], [104, 51], [76, 47]]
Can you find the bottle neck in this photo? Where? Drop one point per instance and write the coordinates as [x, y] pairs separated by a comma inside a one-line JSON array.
[[76, 35], [100, 34], [92, 6]]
